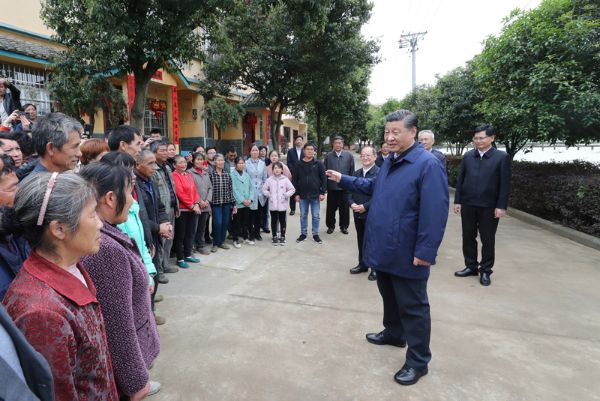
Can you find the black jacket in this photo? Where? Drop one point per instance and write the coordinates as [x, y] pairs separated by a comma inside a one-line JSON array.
[[309, 179], [379, 161], [359, 198], [344, 164], [155, 210], [292, 158], [484, 181], [38, 383], [12, 99]]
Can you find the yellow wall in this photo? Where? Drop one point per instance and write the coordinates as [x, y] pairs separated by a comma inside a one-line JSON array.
[[24, 14]]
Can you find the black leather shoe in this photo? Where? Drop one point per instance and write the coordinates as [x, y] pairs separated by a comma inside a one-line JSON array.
[[330, 231], [484, 279], [358, 269], [466, 272], [372, 276], [293, 212], [344, 230], [407, 376], [381, 339]]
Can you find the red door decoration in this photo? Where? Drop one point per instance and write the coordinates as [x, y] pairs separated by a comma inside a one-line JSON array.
[[130, 93], [175, 115]]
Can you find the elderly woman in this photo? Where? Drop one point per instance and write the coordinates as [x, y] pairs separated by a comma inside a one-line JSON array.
[[257, 171], [53, 299], [122, 282], [199, 171], [92, 150], [222, 202]]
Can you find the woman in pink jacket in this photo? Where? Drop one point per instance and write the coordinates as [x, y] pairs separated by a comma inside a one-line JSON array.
[[278, 189]]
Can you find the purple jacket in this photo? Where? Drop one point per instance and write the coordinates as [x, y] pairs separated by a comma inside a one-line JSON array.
[[122, 284], [278, 190]]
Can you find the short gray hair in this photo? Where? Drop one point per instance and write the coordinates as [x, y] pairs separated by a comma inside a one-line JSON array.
[[143, 154], [368, 147], [53, 128], [409, 118], [70, 195], [427, 131]]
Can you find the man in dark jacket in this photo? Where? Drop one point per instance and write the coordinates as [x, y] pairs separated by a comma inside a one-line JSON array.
[[481, 198], [406, 224], [10, 98], [311, 186], [342, 161], [24, 373], [359, 203], [158, 220], [383, 154], [294, 155]]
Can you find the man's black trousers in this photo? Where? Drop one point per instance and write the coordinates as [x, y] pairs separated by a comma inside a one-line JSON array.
[[480, 219], [337, 200], [360, 224], [406, 315]]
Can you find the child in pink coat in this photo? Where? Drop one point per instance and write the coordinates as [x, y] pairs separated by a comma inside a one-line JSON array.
[[278, 189]]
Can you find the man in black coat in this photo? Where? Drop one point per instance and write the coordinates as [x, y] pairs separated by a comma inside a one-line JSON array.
[[359, 203], [24, 373], [294, 155], [481, 198], [383, 154], [341, 161]]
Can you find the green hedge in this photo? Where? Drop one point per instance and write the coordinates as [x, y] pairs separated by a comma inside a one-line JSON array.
[[565, 193]]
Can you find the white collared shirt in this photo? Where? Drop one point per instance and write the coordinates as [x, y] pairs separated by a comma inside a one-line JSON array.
[[365, 171]]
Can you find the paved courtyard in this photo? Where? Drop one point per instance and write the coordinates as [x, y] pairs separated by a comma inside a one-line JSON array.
[[288, 324]]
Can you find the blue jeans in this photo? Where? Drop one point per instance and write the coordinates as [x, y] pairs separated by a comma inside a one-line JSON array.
[[221, 215], [315, 206]]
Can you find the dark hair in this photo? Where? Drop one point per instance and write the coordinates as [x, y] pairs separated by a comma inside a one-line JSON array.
[[298, 136], [107, 177], [307, 144], [12, 135], [176, 158], [91, 148], [26, 105], [196, 155], [490, 130], [409, 118], [8, 165], [278, 164], [196, 148], [123, 133], [115, 158], [274, 150], [261, 147], [156, 131], [25, 143], [209, 148], [231, 149], [337, 138], [238, 159], [157, 144], [253, 145], [66, 202], [53, 128]]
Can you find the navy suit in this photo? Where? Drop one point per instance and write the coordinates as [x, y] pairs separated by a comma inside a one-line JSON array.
[[407, 219], [292, 160], [483, 185], [360, 219]]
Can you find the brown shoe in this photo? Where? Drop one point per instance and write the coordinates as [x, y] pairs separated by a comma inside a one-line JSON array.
[[159, 298], [160, 320]]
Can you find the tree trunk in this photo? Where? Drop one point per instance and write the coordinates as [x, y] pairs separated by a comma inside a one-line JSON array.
[[275, 118], [318, 129], [139, 102]]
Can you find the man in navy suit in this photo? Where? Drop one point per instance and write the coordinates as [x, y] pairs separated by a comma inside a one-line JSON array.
[[294, 155], [359, 203], [481, 198]]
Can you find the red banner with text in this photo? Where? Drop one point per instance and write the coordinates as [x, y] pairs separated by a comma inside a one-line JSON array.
[[130, 93], [175, 115]]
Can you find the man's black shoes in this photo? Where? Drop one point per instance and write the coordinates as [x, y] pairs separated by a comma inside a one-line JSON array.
[[344, 231], [358, 269], [382, 339], [317, 239], [484, 279], [330, 231], [407, 376], [301, 238], [292, 212], [466, 272], [372, 275]]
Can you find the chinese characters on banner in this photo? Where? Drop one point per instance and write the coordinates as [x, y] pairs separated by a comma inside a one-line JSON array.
[[175, 115]]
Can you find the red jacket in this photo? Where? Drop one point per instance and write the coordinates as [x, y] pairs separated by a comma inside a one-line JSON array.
[[61, 319], [186, 190]]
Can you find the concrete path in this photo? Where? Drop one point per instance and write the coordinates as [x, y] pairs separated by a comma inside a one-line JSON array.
[[288, 324]]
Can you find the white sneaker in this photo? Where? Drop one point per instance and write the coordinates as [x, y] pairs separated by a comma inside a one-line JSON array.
[[236, 245], [249, 242], [154, 388]]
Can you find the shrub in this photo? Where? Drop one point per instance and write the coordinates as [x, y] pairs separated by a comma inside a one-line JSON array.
[[565, 193]]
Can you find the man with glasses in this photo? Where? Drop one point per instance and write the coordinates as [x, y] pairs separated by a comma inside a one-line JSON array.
[[481, 198]]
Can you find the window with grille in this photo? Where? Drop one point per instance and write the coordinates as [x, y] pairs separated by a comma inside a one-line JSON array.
[[32, 84], [154, 119]]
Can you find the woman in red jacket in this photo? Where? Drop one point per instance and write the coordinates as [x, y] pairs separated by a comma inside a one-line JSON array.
[[189, 210], [53, 299]]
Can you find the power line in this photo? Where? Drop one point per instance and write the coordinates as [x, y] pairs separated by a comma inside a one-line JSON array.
[[411, 40]]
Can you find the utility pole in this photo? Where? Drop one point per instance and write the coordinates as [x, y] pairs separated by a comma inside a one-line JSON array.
[[410, 40]]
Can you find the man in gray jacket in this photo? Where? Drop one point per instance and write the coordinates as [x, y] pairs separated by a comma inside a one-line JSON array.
[[341, 161]]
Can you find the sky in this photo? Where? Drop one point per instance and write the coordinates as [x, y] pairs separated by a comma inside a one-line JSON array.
[[455, 29]]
